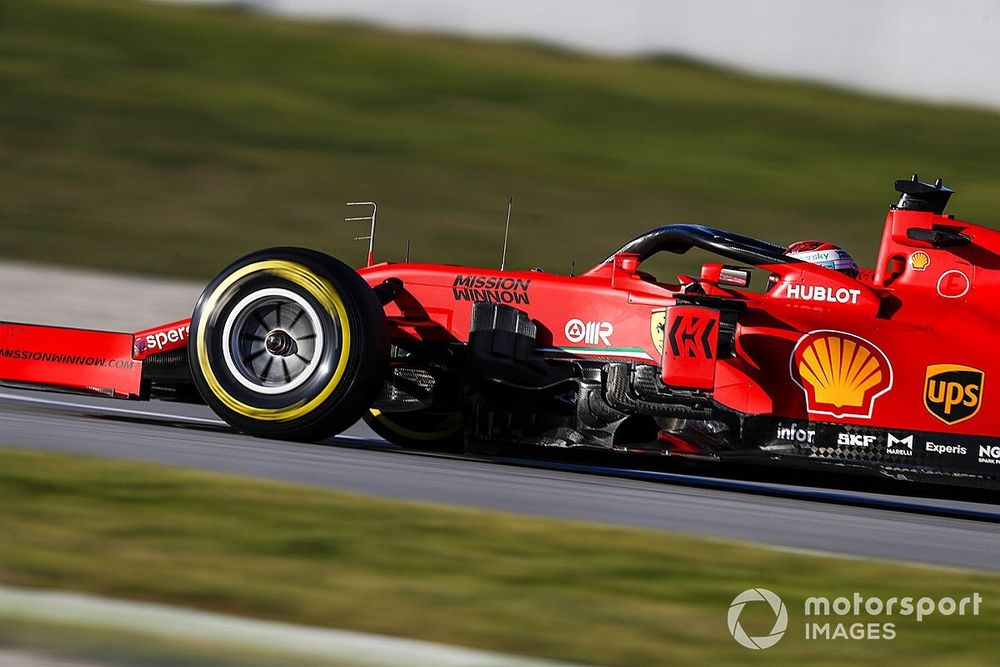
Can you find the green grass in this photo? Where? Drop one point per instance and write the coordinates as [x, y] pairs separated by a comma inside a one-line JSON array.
[[483, 579], [171, 139]]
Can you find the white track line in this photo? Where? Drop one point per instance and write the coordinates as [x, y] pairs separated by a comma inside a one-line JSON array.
[[105, 408], [191, 626], [208, 421]]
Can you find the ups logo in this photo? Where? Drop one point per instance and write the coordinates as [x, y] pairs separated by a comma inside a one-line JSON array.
[[953, 393]]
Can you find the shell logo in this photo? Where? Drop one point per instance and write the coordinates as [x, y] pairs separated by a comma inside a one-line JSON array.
[[920, 260], [841, 374]]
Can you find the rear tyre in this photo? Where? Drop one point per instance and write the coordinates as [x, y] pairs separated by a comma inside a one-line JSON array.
[[423, 430], [289, 343]]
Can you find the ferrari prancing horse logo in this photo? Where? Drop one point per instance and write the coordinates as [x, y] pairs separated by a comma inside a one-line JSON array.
[[657, 323]]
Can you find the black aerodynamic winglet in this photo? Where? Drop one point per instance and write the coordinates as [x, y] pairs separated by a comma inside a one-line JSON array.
[[914, 195]]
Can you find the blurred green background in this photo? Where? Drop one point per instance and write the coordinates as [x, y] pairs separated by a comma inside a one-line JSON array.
[[171, 139]]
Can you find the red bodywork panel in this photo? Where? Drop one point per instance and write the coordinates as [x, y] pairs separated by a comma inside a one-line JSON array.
[[95, 361], [164, 338], [691, 347], [100, 362]]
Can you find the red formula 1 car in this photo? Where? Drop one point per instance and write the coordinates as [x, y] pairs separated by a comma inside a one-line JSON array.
[[888, 371]]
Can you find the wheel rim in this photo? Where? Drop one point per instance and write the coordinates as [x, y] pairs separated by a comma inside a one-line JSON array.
[[273, 341]]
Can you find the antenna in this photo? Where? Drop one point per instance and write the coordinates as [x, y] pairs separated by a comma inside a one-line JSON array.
[[371, 234], [407, 251], [506, 233]]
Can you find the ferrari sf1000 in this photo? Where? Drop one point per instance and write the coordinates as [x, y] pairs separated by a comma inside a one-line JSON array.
[[886, 370]]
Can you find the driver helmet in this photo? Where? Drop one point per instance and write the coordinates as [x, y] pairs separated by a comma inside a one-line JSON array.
[[824, 254]]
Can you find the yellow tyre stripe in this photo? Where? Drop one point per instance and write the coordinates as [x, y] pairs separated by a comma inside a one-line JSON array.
[[453, 424], [328, 298]]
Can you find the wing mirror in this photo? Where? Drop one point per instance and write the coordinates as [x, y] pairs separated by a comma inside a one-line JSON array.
[[724, 275]]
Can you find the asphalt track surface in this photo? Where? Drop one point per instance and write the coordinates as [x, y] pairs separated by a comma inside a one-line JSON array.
[[895, 523]]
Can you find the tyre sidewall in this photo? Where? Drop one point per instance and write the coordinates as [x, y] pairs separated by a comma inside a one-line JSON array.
[[339, 390]]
